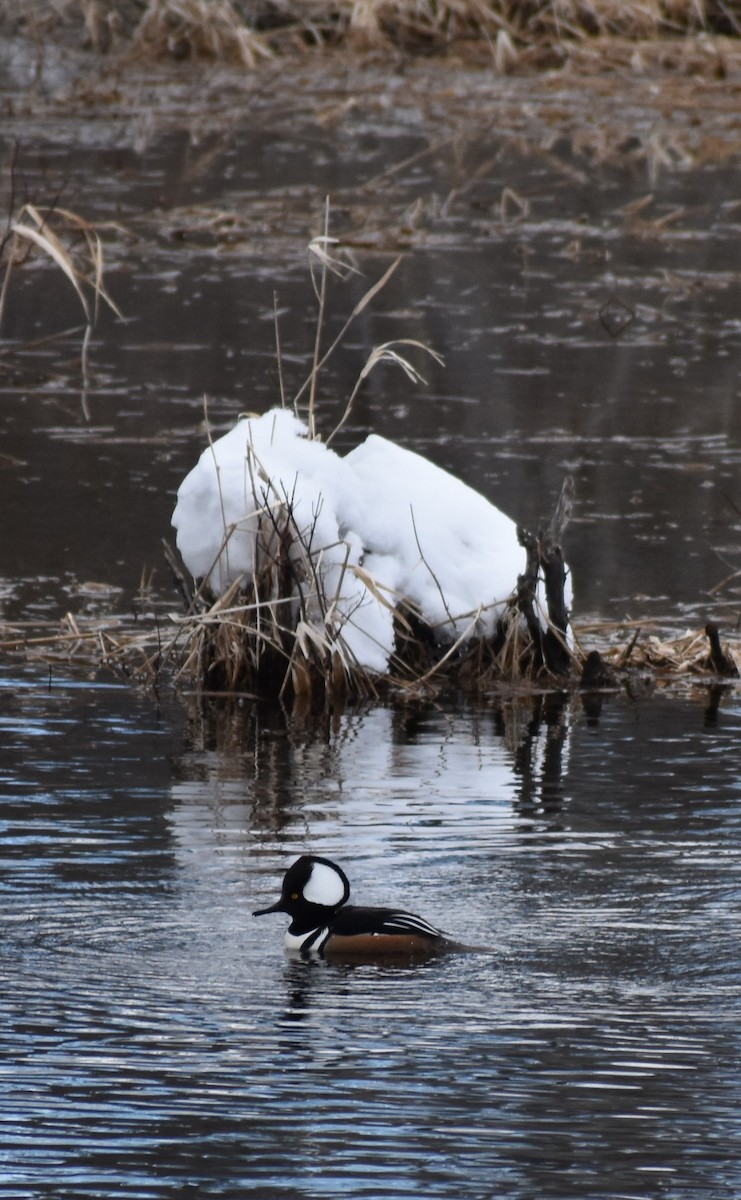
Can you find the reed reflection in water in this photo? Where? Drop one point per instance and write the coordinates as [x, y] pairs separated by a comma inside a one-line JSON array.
[[156, 1041]]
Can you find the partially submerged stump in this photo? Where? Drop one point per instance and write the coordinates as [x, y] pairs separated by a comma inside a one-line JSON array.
[[596, 674]]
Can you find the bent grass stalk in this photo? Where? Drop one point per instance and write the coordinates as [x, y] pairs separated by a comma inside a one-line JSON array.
[[33, 224], [31, 229]]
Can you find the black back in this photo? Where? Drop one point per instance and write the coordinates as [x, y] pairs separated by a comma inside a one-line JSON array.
[[353, 920]]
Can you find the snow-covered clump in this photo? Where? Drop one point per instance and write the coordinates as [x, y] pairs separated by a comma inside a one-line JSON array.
[[262, 464], [250, 480], [433, 539], [380, 525]]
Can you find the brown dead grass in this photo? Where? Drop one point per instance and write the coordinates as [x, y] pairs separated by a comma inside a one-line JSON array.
[[516, 34], [141, 652]]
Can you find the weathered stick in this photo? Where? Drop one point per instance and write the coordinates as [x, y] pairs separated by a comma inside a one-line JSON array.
[[544, 554], [720, 661]]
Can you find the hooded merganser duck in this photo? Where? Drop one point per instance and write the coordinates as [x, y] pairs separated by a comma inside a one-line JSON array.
[[315, 894]]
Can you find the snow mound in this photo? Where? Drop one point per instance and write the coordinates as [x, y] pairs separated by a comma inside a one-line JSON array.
[[376, 526], [432, 538]]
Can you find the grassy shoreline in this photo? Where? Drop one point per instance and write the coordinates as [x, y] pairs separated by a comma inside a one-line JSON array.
[[508, 35]]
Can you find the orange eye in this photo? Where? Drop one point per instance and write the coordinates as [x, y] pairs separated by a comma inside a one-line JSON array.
[[294, 896]]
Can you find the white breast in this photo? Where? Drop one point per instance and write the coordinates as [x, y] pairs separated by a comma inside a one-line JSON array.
[[297, 942]]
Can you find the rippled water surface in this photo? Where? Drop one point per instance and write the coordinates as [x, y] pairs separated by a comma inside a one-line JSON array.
[[156, 1042], [571, 248]]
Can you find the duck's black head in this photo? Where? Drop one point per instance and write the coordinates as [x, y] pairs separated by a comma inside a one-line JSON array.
[[313, 888]]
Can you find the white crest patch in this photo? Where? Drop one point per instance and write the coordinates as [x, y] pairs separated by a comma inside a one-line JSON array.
[[324, 886]]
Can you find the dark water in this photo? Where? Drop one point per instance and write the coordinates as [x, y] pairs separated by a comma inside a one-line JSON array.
[[575, 258], [157, 1043]]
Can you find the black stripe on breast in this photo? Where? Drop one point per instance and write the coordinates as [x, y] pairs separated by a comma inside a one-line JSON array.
[[318, 936]]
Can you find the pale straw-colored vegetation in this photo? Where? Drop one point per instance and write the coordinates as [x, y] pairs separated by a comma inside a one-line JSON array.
[[68, 241], [514, 33]]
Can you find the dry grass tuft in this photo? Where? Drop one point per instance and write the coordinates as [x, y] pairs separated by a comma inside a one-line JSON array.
[[200, 651], [279, 635], [212, 29], [691, 654], [517, 34]]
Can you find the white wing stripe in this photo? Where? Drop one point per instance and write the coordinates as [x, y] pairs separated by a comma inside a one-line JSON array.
[[402, 922]]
